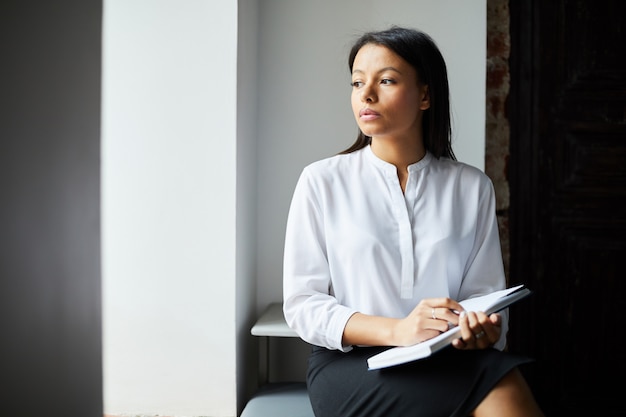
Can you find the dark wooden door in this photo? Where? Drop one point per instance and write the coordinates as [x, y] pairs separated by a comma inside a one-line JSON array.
[[568, 185]]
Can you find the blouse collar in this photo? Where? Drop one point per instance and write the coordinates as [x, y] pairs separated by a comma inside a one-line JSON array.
[[389, 168]]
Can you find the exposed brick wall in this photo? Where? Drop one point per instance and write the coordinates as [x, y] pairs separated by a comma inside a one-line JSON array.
[[497, 123]]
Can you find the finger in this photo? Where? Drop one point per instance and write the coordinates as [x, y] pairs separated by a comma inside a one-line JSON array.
[[451, 317], [482, 339], [468, 339], [436, 322], [446, 302], [459, 344], [474, 322], [488, 333], [466, 331], [478, 337], [492, 328]]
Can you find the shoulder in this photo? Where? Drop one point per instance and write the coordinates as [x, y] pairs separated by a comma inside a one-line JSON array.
[[461, 171], [461, 179], [331, 167]]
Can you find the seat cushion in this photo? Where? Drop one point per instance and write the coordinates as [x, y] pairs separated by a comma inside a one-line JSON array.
[[289, 399]]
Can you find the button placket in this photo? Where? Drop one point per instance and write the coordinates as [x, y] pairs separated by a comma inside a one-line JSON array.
[[405, 235]]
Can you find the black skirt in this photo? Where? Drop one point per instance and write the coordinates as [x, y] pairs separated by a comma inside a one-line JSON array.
[[451, 382]]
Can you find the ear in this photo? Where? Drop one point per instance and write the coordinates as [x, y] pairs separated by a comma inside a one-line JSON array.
[[425, 98]]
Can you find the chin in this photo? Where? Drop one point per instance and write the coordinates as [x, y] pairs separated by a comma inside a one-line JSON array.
[[368, 132]]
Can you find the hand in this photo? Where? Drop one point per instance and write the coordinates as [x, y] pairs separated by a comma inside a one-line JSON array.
[[478, 331], [431, 317]]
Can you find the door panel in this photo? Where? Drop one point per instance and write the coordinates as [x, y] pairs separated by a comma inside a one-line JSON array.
[[568, 181]]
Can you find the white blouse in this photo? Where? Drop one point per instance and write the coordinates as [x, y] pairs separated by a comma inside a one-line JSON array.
[[355, 243]]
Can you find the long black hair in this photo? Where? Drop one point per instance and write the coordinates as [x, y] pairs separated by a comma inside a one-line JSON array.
[[420, 51]]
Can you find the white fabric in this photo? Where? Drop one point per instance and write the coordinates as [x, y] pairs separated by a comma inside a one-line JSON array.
[[355, 243]]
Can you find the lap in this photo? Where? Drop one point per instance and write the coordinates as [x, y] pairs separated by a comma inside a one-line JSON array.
[[450, 383]]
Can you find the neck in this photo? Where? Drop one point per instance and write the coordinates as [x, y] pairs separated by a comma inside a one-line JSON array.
[[399, 153]]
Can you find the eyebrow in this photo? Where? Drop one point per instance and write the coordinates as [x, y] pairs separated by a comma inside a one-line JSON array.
[[379, 71]]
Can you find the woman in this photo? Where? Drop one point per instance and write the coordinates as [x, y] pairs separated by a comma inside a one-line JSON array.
[[384, 237]]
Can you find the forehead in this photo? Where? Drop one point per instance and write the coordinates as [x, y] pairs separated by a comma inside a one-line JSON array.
[[373, 57]]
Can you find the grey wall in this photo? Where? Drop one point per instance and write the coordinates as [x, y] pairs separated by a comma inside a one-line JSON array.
[[50, 208], [304, 109]]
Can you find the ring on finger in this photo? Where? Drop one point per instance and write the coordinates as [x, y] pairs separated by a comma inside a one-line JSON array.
[[479, 335], [432, 313]]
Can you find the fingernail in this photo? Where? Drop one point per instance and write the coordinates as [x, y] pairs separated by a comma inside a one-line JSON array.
[[463, 314]]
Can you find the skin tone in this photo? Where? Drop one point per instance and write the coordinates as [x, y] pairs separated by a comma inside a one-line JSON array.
[[388, 103]]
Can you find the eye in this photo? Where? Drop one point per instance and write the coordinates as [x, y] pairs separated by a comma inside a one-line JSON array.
[[356, 84], [387, 81]]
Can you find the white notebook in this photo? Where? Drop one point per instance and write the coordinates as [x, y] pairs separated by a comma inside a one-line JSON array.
[[490, 303]]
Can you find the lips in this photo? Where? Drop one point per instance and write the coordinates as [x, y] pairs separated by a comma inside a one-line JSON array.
[[368, 114]]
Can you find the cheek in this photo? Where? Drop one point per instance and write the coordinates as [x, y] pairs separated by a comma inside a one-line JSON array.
[[408, 99], [409, 105]]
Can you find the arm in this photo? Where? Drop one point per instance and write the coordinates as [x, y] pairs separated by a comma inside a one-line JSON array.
[[427, 320], [484, 273], [309, 305]]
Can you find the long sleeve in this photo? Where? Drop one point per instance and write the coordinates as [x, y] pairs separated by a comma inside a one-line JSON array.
[[309, 306], [484, 271]]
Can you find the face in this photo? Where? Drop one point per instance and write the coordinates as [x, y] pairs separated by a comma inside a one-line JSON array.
[[387, 99]]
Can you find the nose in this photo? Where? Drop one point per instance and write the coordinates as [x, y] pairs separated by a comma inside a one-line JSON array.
[[368, 95]]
